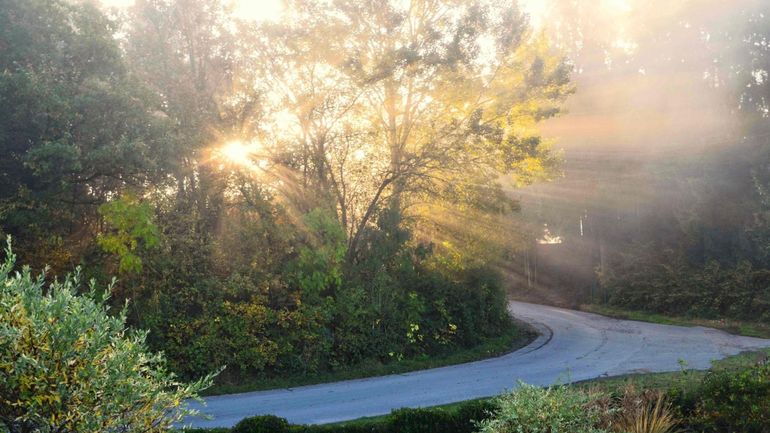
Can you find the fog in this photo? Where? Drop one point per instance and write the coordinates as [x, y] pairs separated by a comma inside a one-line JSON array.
[[663, 90]]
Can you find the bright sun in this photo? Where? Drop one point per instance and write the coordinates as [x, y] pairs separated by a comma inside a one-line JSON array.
[[238, 152]]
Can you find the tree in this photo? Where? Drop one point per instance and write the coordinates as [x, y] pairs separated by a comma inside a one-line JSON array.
[[188, 53], [76, 127], [69, 366], [401, 103]]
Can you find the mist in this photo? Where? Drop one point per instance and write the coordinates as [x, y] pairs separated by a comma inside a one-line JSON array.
[[668, 114]]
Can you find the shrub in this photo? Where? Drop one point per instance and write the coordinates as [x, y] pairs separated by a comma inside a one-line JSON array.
[[68, 366], [471, 413], [262, 424], [735, 401], [531, 409], [421, 421]]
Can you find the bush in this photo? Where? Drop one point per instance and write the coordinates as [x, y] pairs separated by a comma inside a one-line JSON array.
[[421, 421], [471, 413], [735, 401], [262, 424], [666, 282], [312, 312], [68, 366], [531, 409]]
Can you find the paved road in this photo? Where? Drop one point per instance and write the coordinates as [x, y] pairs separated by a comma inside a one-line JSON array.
[[572, 346]]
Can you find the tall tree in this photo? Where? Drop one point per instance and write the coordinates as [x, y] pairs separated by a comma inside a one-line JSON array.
[[401, 103], [76, 127], [187, 53]]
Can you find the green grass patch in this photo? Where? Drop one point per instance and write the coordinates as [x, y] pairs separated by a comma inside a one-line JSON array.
[[684, 378], [518, 335], [749, 329]]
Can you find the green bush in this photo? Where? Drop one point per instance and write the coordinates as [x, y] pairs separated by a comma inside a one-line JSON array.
[[262, 424], [665, 282], [531, 409], [421, 421], [735, 401], [471, 413], [311, 313], [68, 365]]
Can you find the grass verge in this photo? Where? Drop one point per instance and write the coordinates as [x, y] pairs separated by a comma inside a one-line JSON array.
[[518, 335], [684, 378], [749, 329]]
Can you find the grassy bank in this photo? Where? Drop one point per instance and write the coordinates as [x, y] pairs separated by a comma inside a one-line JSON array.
[[518, 335], [749, 329]]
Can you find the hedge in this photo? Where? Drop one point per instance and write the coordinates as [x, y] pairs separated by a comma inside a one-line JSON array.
[[461, 418]]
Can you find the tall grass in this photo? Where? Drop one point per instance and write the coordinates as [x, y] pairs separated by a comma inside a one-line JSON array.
[[647, 411]]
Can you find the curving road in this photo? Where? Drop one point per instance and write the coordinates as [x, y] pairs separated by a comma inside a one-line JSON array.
[[572, 346]]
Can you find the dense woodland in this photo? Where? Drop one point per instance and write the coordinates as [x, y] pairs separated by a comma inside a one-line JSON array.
[[280, 198]]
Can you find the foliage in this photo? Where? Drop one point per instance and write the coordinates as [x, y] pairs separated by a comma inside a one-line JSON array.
[[261, 424], [735, 401], [530, 409], [68, 366], [132, 229], [420, 420], [318, 268], [698, 246], [76, 129], [392, 114], [665, 282]]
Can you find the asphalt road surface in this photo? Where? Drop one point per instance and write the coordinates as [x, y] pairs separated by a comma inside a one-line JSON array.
[[572, 346]]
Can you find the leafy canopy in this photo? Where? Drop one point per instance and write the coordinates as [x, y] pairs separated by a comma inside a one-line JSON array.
[[380, 104]]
